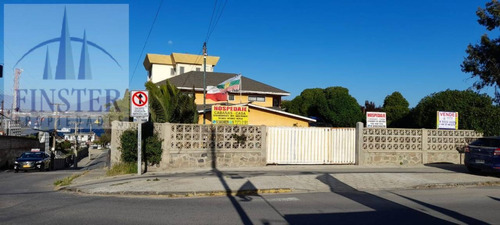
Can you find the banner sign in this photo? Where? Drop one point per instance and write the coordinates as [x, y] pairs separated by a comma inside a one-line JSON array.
[[235, 115], [376, 120], [447, 120]]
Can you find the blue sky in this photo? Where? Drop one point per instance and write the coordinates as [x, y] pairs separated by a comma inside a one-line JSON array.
[[372, 48]]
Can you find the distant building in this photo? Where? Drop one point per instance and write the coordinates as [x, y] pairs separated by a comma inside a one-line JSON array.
[[82, 137], [161, 67], [263, 100]]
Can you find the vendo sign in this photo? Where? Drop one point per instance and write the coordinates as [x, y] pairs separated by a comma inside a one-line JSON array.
[[447, 120]]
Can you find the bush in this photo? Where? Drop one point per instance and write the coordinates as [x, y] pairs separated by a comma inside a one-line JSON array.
[[153, 149], [122, 168], [128, 142]]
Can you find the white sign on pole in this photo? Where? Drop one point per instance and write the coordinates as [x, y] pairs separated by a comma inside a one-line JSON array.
[[139, 109], [376, 120], [139, 104]]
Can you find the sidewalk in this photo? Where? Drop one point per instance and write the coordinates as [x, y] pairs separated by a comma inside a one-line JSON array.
[[277, 179]]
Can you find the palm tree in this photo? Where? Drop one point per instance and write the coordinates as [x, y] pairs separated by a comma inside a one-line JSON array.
[[168, 104]]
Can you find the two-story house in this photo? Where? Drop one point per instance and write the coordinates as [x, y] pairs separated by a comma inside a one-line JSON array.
[[263, 100]]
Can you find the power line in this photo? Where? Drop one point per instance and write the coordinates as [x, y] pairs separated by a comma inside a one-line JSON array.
[[218, 15], [145, 42], [211, 19]]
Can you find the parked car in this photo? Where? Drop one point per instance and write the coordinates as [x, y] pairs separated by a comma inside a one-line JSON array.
[[32, 161], [483, 154]]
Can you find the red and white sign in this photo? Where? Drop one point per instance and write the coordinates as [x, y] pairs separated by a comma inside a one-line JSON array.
[[139, 104], [447, 120], [376, 120]]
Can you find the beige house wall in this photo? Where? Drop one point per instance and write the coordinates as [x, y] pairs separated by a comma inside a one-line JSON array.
[[261, 117], [243, 99]]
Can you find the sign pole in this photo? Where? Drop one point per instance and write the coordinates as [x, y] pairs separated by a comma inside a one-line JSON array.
[[204, 80], [139, 109], [139, 140]]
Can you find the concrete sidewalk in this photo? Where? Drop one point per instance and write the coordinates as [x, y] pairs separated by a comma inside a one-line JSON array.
[[277, 179]]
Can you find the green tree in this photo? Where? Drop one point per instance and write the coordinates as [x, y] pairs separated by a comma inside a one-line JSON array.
[[120, 109], [483, 59], [332, 106], [343, 109], [105, 138], [475, 111], [397, 110], [311, 102], [168, 104]]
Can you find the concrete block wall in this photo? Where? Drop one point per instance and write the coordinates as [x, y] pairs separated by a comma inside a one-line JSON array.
[[394, 146], [200, 146], [207, 146]]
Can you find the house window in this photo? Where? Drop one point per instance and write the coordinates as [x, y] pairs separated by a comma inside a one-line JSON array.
[[256, 98], [231, 98], [276, 101], [172, 71], [198, 69], [182, 70]]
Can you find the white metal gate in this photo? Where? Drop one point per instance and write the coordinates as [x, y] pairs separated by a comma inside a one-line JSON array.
[[293, 145]]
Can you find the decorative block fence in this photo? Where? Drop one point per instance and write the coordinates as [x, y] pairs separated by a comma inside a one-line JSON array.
[[394, 146], [202, 146], [214, 146]]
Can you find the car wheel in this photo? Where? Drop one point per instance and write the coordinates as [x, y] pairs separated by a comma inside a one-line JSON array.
[[42, 168], [16, 170], [473, 170]]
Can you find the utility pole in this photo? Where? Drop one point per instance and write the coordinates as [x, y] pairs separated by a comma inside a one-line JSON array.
[[56, 113], [204, 80], [75, 152]]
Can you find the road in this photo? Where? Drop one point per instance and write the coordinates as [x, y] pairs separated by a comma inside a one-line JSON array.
[[29, 198]]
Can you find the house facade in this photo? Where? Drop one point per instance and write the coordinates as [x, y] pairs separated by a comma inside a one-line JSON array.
[[263, 100], [161, 67]]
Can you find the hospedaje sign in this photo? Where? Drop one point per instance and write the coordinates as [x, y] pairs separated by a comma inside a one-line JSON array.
[[232, 115], [447, 120], [376, 120]]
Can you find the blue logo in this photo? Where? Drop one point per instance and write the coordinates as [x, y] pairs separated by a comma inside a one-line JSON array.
[[89, 43], [65, 66]]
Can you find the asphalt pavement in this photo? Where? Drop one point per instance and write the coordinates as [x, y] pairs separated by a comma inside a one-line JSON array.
[[272, 179]]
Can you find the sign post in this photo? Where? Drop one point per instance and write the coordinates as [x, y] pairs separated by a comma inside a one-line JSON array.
[[140, 111]]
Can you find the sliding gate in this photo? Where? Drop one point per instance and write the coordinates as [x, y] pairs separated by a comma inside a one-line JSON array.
[[293, 145]]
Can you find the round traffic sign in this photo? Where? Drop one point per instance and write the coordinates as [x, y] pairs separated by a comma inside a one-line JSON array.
[[139, 99]]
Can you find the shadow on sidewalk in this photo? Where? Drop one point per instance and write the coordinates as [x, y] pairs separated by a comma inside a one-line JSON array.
[[383, 211], [241, 212]]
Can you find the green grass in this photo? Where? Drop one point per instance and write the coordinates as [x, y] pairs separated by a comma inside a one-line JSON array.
[[67, 180], [122, 168]]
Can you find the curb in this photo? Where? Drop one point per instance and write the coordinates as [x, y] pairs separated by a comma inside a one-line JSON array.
[[462, 184], [182, 194]]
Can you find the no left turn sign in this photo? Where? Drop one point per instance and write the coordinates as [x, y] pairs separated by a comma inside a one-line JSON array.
[[139, 104]]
